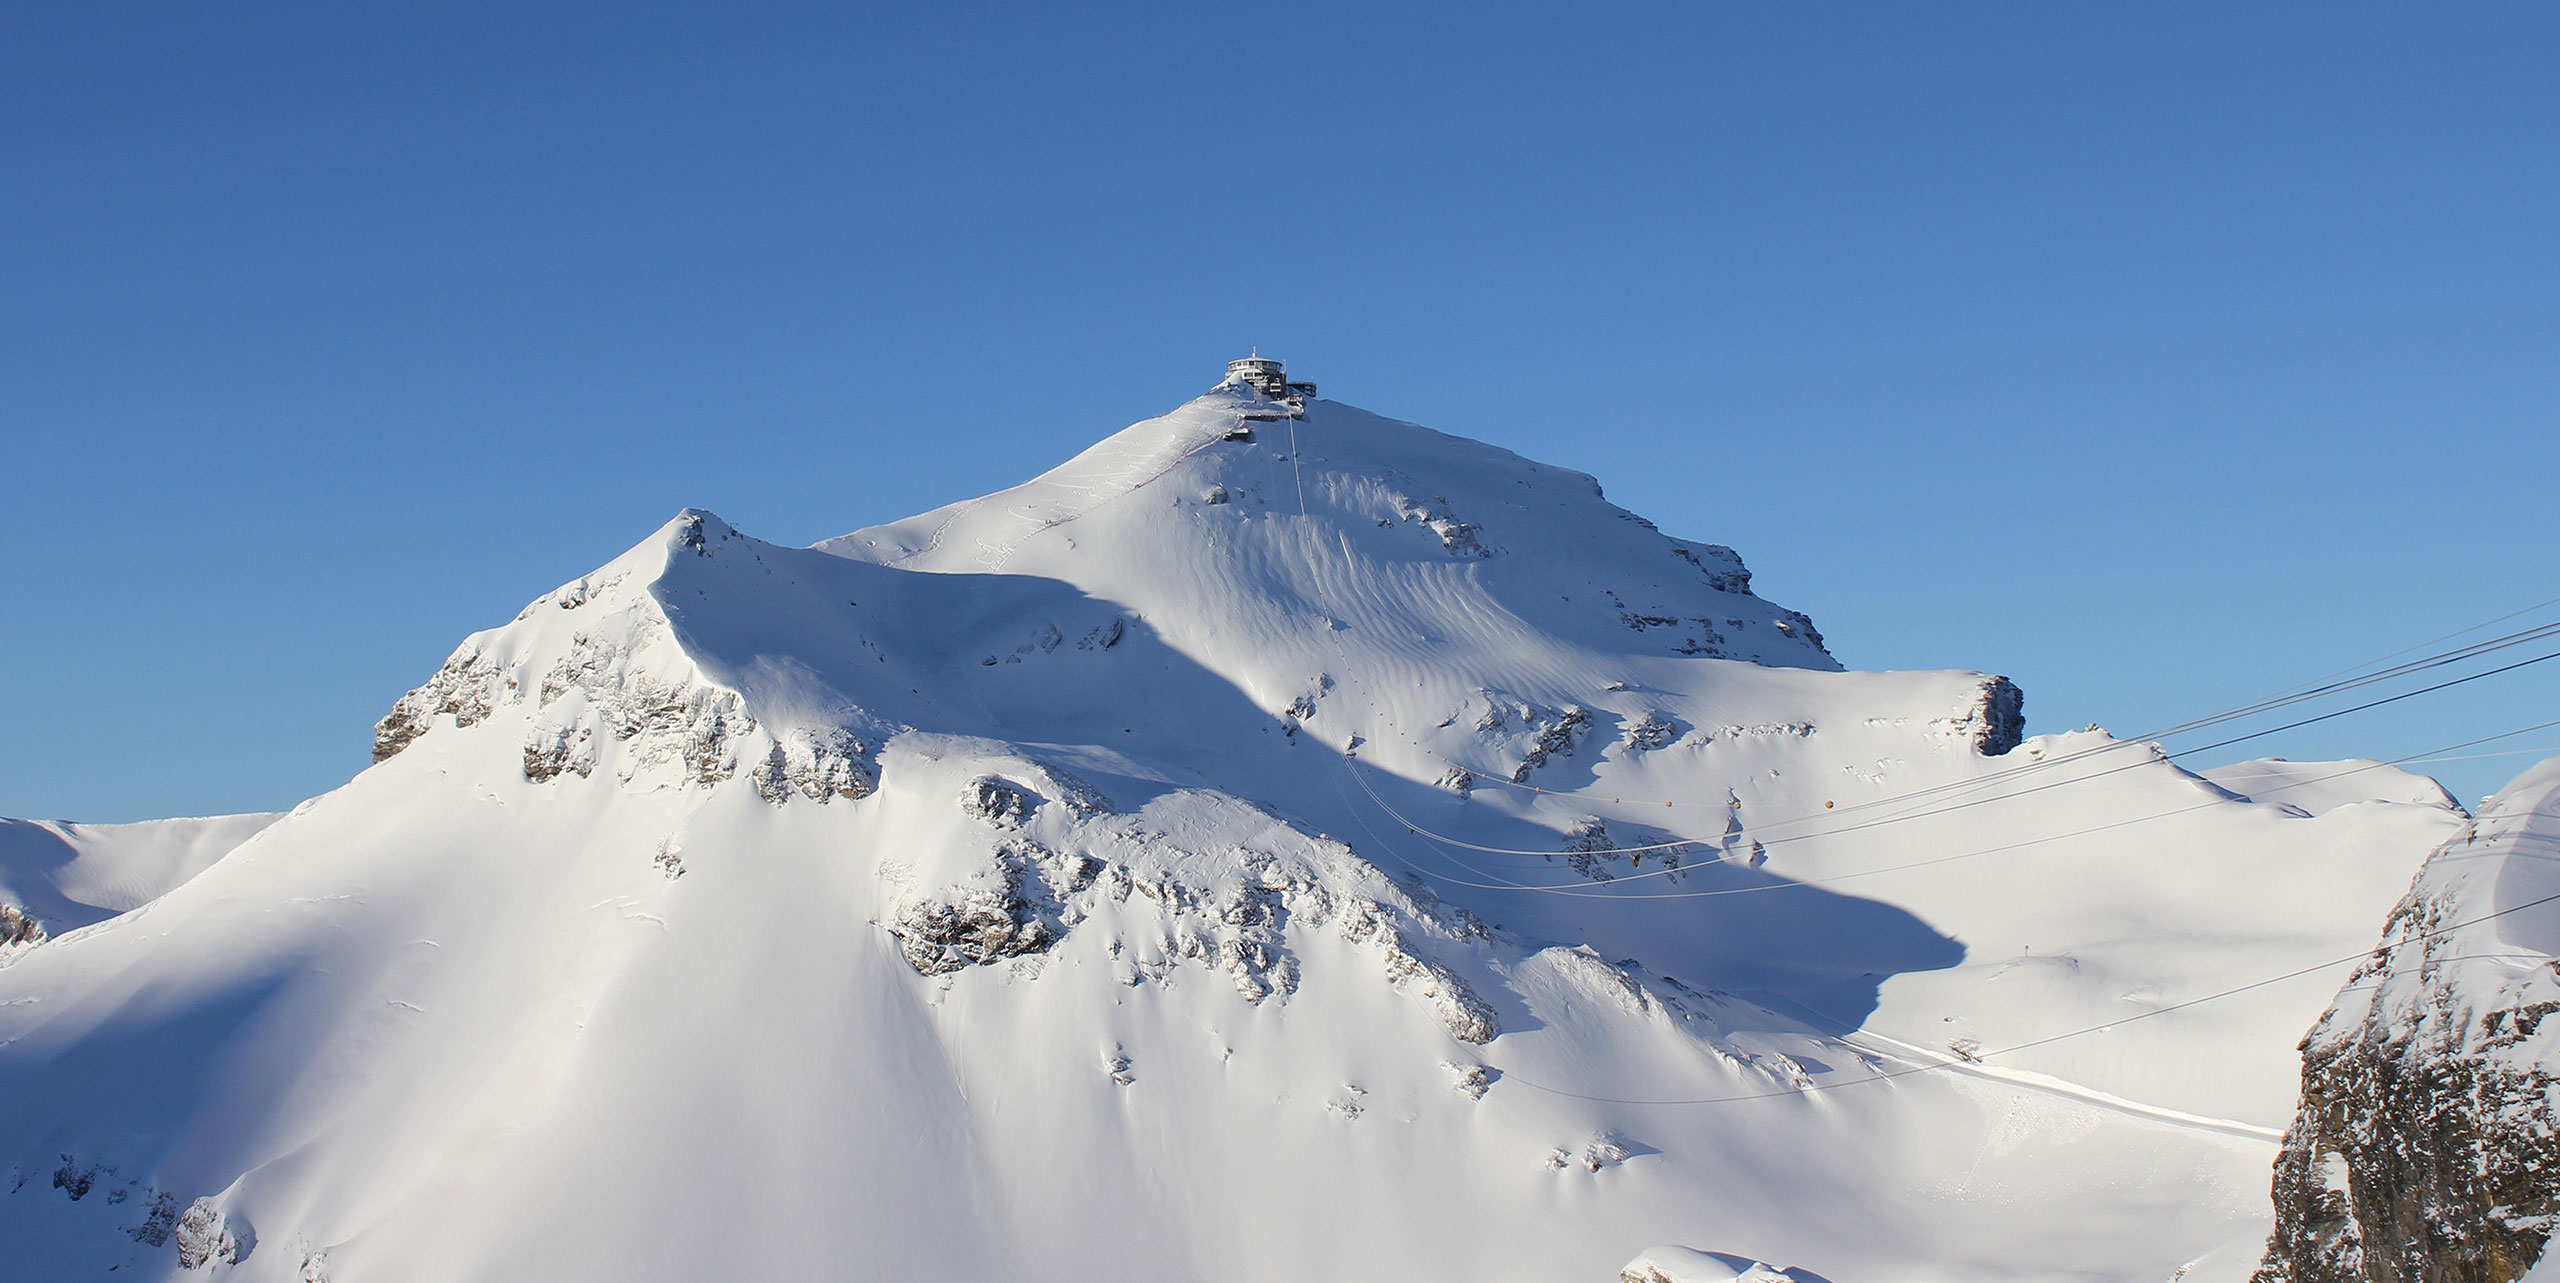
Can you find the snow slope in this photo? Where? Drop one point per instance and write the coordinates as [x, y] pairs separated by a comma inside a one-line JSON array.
[[1087, 881], [66, 876]]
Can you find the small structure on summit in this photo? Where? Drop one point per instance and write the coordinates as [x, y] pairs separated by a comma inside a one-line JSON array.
[[1264, 375]]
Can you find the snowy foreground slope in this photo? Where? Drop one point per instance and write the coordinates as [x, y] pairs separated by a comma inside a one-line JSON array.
[[1033, 888]]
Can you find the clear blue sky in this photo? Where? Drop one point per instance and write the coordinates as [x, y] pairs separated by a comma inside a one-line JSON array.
[[2157, 355]]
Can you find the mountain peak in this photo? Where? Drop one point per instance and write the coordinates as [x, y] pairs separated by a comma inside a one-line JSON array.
[[1274, 796]]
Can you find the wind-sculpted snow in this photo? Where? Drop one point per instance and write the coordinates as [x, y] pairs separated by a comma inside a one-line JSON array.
[[2431, 1090], [57, 877], [1138, 875]]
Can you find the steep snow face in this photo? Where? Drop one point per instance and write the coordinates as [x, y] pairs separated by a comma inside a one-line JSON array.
[[1140, 875], [1429, 553], [2431, 1089]]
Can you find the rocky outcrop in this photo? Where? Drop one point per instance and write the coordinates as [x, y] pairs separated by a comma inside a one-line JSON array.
[[207, 1236], [983, 926], [464, 689], [2431, 1091], [18, 930], [1995, 722], [818, 763], [614, 684]]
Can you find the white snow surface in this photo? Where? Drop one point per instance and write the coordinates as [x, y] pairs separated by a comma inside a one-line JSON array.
[[68, 876], [990, 893]]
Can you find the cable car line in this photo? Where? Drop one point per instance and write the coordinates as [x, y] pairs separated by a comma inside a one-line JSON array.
[[2048, 1040], [1772, 830], [1593, 891], [1775, 840]]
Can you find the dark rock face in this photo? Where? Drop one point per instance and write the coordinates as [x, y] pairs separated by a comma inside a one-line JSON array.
[[2427, 1149], [2003, 717]]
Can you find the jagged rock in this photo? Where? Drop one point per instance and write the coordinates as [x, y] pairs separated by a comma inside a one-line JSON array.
[[996, 800], [820, 763], [1722, 566], [1994, 722], [1651, 731], [461, 688], [983, 923], [1459, 538], [550, 751], [986, 927], [1584, 848], [159, 1221], [18, 930], [205, 1236], [1551, 733], [1469, 1018], [1470, 1081]]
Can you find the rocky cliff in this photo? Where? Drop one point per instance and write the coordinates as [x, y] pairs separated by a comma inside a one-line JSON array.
[[2425, 1147]]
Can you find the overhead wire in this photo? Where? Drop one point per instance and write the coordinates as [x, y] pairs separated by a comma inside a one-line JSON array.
[[2317, 688], [1764, 832], [1908, 816], [2050, 1039], [1593, 891]]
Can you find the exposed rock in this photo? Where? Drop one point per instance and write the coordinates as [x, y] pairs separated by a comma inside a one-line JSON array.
[[1460, 538], [205, 1236], [18, 930], [1551, 734], [984, 927], [550, 751], [1470, 1081], [984, 922], [1586, 847], [1998, 720], [75, 1178], [1469, 1018], [462, 688], [1722, 566], [819, 763], [159, 1221], [996, 800], [1652, 731]]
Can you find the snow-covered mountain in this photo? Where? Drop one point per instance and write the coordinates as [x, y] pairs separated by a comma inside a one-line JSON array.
[[1270, 845]]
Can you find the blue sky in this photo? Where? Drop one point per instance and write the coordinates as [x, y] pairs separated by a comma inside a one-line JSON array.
[[2157, 356]]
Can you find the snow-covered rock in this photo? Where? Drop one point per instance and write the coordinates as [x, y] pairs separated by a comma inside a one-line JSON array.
[[2430, 1120]]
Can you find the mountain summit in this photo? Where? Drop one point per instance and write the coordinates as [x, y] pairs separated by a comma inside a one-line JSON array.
[[1278, 842]]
